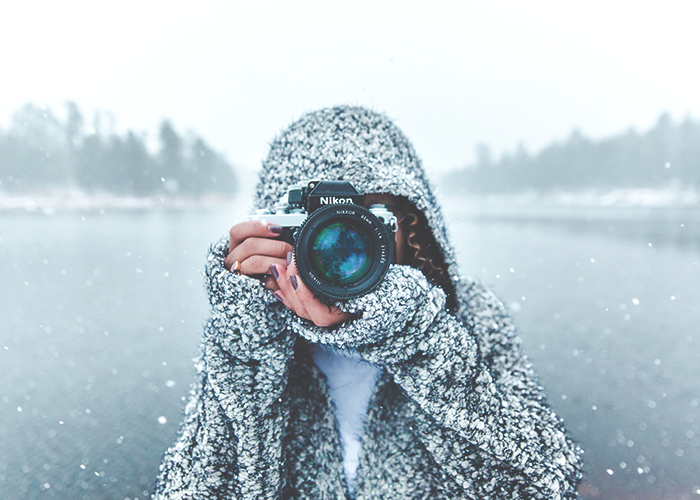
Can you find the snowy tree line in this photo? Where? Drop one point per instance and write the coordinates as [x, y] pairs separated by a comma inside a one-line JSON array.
[[668, 153], [39, 152]]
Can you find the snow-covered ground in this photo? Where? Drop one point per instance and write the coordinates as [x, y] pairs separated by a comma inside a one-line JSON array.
[[621, 198], [70, 200], [589, 204]]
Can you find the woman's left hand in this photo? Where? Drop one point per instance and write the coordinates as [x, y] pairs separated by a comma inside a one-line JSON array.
[[297, 297]]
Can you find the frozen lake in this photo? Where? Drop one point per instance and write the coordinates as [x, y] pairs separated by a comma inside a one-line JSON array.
[[100, 315]]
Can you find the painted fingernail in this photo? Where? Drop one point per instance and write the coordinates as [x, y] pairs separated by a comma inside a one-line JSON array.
[[275, 228], [289, 258], [293, 281], [274, 273], [277, 296]]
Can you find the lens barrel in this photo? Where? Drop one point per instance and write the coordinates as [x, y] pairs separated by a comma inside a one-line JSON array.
[[343, 251]]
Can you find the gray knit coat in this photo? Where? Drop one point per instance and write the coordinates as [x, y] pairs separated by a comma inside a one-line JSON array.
[[457, 413]]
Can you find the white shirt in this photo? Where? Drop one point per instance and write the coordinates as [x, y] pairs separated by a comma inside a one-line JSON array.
[[351, 383]]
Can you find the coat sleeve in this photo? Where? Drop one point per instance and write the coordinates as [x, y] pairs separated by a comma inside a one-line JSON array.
[[480, 411], [230, 442]]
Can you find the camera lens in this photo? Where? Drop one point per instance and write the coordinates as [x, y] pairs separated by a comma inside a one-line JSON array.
[[343, 251]]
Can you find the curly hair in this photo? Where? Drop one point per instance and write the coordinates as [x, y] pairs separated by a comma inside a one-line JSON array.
[[423, 251]]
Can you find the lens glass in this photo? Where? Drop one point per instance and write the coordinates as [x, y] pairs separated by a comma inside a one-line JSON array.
[[341, 251]]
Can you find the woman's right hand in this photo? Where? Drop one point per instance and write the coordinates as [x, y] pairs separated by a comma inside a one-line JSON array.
[[254, 246]]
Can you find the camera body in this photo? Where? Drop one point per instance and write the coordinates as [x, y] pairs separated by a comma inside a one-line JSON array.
[[342, 249]]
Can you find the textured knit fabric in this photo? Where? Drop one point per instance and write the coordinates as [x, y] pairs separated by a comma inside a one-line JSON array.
[[457, 413]]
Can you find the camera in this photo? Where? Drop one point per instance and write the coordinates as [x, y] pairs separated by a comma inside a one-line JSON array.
[[342, 249]]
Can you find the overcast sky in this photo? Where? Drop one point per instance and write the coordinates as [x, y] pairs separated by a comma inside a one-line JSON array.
[[450, 74]]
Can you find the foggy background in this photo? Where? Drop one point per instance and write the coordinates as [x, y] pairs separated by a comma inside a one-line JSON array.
[[564, 143]]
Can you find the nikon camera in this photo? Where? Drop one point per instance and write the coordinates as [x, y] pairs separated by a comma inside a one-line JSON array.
[[342, 249]]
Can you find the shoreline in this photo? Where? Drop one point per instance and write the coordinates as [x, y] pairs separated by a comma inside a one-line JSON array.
[[628, 203], [591, 205], [62, 202]]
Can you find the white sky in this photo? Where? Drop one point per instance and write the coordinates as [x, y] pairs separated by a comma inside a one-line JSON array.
[[451, 74]]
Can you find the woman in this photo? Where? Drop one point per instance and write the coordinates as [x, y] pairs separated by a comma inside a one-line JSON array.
[[449, 406]]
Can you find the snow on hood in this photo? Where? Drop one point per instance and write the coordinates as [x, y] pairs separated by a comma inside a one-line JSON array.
[[356, 145]]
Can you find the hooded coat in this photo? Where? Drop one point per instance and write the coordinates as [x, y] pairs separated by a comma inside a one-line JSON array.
[[457, 412]]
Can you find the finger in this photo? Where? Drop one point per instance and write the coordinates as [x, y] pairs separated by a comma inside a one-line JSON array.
[[290, 298], [252, 228], [259, 246], [269, 283], [291, 264], [297, 284], [292, 283], [258, 264], [321, 314], [280, 296]]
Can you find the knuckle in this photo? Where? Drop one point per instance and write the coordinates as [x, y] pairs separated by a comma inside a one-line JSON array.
[[278, 248], [256, 262], [235, 232], [284, 248], [249, 245]]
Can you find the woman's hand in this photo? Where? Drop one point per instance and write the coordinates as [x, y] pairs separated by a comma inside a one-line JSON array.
[[255, 252], [297, 297], [253, 247]]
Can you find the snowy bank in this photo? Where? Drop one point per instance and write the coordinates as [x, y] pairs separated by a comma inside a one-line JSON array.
[[74, 200], [629, 203]]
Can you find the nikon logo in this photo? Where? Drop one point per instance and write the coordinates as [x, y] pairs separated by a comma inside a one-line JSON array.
[[332, 200]]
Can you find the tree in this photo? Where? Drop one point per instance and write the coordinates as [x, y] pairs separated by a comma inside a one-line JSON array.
[[664, 153], [140, 167], [170, 158], [40, 152], [35, 150], [213, 173]]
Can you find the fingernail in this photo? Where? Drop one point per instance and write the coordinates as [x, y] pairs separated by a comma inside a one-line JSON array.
[[275, 228], [293, 281], [278, 297], [289, 258], [274, 273]]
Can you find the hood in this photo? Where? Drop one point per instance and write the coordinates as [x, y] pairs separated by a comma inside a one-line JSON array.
[[356, 145]]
